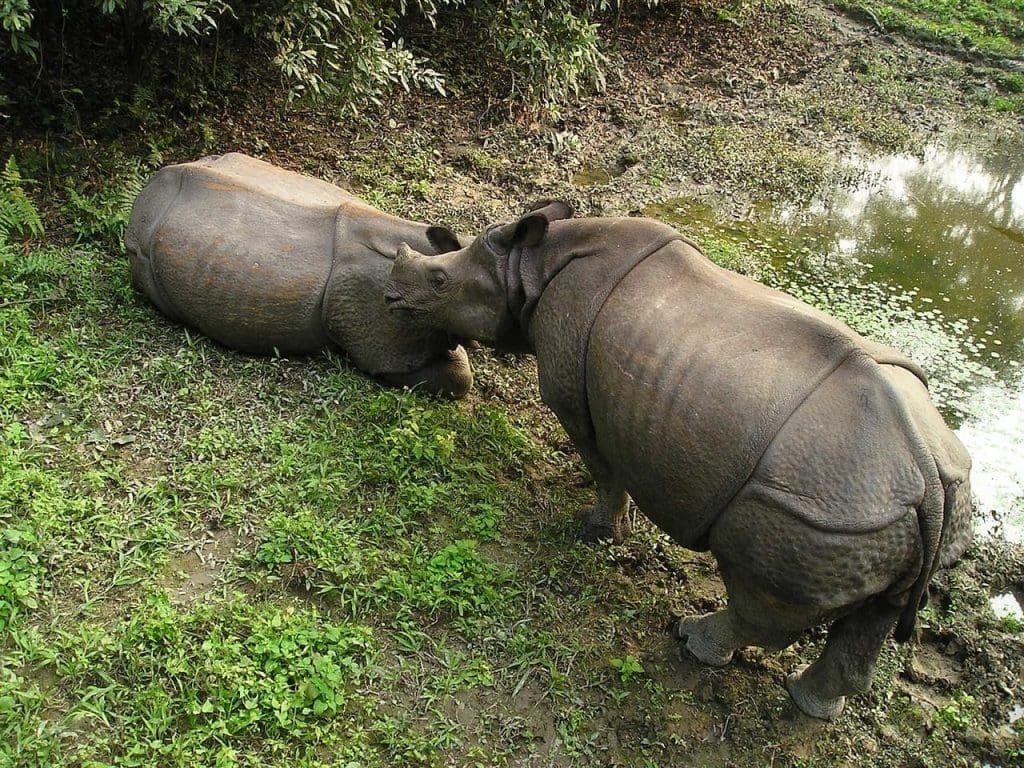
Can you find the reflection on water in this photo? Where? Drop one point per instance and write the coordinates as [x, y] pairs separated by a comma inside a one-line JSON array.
[[994, 435], [926, 253], [1006, 606], [949, 224]]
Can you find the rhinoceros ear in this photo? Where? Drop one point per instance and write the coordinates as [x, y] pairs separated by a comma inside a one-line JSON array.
[[443, 239], [552, 210], [528, 231]]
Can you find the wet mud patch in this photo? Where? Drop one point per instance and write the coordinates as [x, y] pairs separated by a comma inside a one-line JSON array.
[[194, 572], [596, 175], [935, 667]]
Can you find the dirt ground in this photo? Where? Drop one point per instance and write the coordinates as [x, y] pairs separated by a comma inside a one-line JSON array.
[[732, 114]]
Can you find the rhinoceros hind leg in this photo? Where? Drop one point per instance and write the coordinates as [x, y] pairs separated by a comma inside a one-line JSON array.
[[847, 665], [713, 637]]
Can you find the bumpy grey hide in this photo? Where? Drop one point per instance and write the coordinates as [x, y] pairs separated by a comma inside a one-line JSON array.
[[807, 458], [264, 260]]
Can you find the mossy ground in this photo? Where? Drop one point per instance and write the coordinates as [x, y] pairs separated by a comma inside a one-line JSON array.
[[992, 29], [211, 559]]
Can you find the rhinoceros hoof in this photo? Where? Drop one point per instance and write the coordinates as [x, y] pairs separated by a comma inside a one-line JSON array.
[[808, 701], [592, 532], [700, 643]]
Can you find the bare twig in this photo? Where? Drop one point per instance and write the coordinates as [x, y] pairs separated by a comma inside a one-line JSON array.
[[15, 302]]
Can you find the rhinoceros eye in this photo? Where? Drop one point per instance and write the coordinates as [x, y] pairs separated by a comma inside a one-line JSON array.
[[438, 279]]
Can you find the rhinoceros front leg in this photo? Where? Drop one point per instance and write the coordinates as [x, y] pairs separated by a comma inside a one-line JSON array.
[[448, 377], [609, 517], [847, 665], [714, 637]]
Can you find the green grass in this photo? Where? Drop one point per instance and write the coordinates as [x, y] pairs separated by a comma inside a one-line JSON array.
[[190, 686], [990, 27]]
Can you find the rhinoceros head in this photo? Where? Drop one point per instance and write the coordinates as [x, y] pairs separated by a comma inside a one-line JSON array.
[[465, 292]]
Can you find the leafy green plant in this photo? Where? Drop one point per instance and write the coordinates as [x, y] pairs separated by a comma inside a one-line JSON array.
[[485, 521], [628, 668], [20, 571], [456, 579], [959, 714], [350, 53], [18, 214], [340, 50], [1011, 624], [26, 738], [335, 49], [552, 53], [183, 682], [422, 446], [102, 215], [326, 555], [16, 17]]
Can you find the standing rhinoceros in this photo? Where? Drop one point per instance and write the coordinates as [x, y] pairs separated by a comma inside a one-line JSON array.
[[808, 459], [264, 260]]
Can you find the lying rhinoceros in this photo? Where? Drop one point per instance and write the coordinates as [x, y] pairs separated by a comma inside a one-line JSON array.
[[808, 459], [267, 261]]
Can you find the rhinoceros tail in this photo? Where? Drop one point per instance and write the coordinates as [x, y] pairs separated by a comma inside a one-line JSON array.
[[932, 515]]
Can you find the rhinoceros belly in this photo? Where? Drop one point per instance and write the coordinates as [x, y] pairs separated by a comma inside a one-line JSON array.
[[692, 371]]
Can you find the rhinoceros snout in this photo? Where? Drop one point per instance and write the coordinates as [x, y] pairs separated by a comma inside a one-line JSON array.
[[395, 302]]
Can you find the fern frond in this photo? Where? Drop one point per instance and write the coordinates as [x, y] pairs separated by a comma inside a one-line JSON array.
[[11, 175], [132, 185], [41, 263], [104, 214], [18, 214]]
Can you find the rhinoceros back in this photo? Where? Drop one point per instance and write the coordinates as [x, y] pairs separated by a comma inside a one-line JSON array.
[[692, 371], [238, 249], [563, 290]]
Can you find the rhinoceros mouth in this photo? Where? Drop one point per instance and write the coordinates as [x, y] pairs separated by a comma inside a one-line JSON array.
[[398, 304]]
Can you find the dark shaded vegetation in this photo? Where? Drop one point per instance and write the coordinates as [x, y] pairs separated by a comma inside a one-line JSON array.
[[128, 54]]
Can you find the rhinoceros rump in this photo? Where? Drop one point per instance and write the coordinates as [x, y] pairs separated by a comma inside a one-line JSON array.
[[268, 261], [809, 460]]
